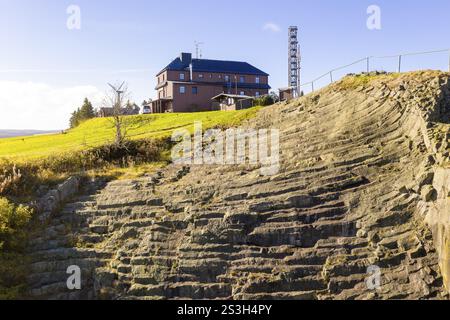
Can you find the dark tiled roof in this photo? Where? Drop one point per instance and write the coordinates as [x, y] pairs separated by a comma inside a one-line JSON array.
[[204, 65]]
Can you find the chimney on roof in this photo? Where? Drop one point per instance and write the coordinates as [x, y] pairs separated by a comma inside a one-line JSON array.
[[186, 58]]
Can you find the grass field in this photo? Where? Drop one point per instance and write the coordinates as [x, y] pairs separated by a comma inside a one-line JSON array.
[[100, 131]]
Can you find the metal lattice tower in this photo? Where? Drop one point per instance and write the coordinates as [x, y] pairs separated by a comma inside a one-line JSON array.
[[294, 61]]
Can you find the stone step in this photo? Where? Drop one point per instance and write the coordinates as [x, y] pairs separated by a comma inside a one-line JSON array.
[[300, 235], [265, 296], [285, 285], [62, 266], [62, 254], [309, 216], [193, 290]]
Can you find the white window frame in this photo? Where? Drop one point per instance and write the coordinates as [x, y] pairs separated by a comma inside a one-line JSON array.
[[258, 80], [242, 93], [257, 94], [182, 90], [182, 76]]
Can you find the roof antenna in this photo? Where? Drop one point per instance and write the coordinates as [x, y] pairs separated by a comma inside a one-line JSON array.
[[198, 50]]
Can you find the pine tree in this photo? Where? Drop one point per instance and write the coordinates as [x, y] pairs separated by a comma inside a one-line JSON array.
[[84, 113], [87, 111], [74, 119]]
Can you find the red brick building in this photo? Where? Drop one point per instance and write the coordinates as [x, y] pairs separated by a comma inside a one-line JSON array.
[[188, 85]]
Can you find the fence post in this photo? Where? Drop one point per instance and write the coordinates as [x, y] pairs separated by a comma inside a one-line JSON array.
[[331, 76], [368, 64], [399, 63], [312, 86]]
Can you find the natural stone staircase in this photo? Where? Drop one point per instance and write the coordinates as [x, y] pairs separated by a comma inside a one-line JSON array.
[[354, 163]]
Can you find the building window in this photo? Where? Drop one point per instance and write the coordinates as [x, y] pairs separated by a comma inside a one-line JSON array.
[[194, 90], [242, 93], [200, 76], [182, 89], [182, 76], [257, 94], [227, 78], [258, 80], [242, 79]]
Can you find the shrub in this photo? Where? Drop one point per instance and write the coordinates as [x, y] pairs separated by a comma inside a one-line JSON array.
[[135, 151], [13, 275], [264, 101], [9, 180], [18, 180], [14, 221]]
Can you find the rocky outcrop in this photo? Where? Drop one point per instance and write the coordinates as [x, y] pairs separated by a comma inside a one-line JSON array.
[[361, 196], [435, 207], [54, 199]]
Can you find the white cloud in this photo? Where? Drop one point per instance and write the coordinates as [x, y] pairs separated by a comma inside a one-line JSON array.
[[272, 27], [30, 105]]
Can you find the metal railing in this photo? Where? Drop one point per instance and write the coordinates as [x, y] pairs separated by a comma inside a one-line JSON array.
[[368, 63]]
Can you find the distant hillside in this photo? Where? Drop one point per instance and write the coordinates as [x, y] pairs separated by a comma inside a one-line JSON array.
[[21, 133]]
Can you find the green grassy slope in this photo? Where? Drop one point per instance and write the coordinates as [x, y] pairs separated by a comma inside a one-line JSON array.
[[100, 131]]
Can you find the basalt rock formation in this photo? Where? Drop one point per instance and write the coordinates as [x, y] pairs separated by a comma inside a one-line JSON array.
[[362, 192]]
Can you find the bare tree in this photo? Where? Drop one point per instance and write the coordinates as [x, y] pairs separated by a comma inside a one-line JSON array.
[[114, 101]]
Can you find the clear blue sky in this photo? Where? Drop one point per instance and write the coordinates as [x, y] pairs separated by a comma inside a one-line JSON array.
[[132, 40]]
